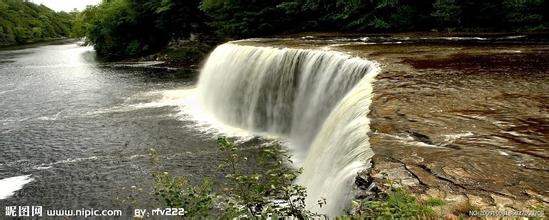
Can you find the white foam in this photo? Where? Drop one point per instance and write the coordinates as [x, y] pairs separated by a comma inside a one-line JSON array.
[[136, 156], [174, 97], [50, 118], [447, 139], [503, 153], [451, 138], [153, 99], [191, 110], [513, 133], [46, 166], [9, 186], [513, 37], [8, 91], [139, 64], [409, 140]]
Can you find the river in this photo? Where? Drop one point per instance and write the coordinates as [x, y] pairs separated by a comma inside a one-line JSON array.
[[77, 131]]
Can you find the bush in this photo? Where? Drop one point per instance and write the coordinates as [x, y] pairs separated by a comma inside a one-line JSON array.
[[177, 192], [397, 204], [120, 29], [187, 53], [24, 22], [267, 191]]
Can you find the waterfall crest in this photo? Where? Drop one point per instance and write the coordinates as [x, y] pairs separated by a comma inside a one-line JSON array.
[[317, 100]]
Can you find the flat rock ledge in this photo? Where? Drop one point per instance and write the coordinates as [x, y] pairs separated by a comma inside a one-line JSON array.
[[424, 181]]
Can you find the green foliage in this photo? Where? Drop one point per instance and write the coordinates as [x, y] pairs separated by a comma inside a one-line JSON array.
[[243, 18], [25, 22], [128, 28], [120, 29], [433, 201], [177, 192], [366, 15], [80, 23], [188, 52], [266, 191], [133, 47], [398, 204], [269, 190], [525, 15], [446, 12]]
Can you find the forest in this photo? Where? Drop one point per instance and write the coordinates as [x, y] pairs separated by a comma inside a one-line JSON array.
[[120, 29], [24, 22], [128, 28]]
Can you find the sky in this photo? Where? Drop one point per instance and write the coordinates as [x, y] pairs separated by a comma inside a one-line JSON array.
[[66, 5]]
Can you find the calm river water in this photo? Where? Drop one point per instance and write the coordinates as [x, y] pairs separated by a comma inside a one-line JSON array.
[[77, 131]]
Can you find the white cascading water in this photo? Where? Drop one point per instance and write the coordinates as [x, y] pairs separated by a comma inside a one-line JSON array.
[[317, 100]]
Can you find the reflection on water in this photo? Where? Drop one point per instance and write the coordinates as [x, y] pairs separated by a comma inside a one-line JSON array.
[[81, 129]]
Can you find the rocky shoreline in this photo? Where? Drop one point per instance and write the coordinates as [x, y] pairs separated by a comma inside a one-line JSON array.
[[448, 121]]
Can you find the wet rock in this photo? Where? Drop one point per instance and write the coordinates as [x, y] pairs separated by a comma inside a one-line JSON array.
[[537, 196], [501, 201], [476, 201], [455, 198], [386, 171], [366, 188], [456, 172], [363, 182], [421, 137], [254, 141]]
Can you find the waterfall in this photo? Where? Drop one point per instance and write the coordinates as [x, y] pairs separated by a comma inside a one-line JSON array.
[[317, 100]]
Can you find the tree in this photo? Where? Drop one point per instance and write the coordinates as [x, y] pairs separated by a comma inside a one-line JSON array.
[[525, 15], [483, 15], [447, 13], [24, 22], [127, 28], [243, 18]]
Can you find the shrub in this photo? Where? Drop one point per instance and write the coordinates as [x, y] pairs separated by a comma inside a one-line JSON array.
[[267, 191], [397, 203]]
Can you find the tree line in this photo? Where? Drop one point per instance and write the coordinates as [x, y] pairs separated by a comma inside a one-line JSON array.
[[25, 22], [126, 28]]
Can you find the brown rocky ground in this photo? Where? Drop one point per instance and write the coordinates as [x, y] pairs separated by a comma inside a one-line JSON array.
[[466, 123]]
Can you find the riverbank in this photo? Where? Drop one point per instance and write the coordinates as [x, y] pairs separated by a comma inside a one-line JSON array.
[[464, 122], [61, 40], [190, 53], [182, 54]]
